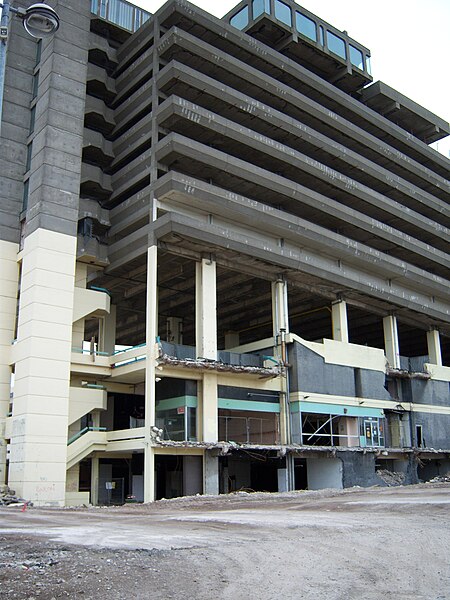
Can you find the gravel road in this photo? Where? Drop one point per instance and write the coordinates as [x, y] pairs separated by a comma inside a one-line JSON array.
[[380, 543]]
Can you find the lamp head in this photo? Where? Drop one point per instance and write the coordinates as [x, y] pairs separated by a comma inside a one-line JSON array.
[[40, 20]]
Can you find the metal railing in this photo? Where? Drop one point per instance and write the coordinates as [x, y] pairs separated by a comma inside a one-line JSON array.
[[79, 434]]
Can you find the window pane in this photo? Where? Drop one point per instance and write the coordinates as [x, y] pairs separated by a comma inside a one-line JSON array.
[[240, 20], [260, 7], [368, 65], [121, 14], [306, 26], [356, 57], [283, 13], [336, 44]]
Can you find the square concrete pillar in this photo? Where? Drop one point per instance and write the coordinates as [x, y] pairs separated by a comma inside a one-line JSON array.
[[280, 312], [42, 357], [392, 349], [209, 404], [206, 309], [211, 474], [434, 347], [339, 319], [9, 278]]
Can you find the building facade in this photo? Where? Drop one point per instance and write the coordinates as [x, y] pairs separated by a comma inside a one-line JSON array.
[[224, 259]]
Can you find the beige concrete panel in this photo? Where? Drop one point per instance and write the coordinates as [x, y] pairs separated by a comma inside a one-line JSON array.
[[87, 302], [8, 307], [5, 355], [81, 275], [45, 452], [48, 260], [72, 479], [353, 355], [438, 372], [57, 315], [49, 428], [47, 297], [40, 405], [41, 329], [85, 400], [46, 279], [6, 336], [51, 240], [41, 348], [35, 387], [8, 289], [42, 367]]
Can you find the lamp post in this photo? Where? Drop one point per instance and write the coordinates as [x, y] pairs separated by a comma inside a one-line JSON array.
[[39, 20]]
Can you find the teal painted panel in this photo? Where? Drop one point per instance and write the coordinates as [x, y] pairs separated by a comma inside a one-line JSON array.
[[171, 403], [336, 409], [270, 407]]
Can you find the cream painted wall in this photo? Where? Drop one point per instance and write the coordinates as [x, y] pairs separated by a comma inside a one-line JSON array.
[[9, 276], [42, 371]]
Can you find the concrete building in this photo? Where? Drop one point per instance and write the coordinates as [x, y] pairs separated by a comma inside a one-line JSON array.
[[223, 259]]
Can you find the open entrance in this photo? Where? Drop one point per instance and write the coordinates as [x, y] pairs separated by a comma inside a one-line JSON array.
[[121, 480], [178, 476], [256, 471]]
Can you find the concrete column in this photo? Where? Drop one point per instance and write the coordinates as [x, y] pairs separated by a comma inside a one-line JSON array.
[[206, 309], [107, 332], [150, 372], [175, 330], [9, 278], [392, 349], [151, 335], [210, 408], [231, 339], [280, 313], [42, 359], [339, 319], [149, 474], [78, 326], [211, 474], [434, 347], [95, 468]]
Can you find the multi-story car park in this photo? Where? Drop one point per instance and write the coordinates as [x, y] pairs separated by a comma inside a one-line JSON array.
[[223, 259]]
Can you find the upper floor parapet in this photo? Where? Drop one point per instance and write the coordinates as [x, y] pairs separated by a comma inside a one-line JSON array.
[[305, 38]]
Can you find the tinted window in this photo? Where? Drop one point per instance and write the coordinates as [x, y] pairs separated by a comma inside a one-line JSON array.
[[356, 57], [283, 12], [260, 7], [240, 19], [336, 44], [306, 26]]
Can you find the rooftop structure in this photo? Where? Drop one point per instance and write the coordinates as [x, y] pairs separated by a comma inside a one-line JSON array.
[[224, 259]]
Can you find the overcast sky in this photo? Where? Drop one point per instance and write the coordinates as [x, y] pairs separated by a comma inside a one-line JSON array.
[[409, 41]]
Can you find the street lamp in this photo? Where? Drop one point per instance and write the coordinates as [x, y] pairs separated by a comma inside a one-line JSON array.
[[39, 20]]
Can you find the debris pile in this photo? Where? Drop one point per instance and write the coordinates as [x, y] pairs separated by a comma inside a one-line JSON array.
[[391, 478], [441, 479], [8, 498]]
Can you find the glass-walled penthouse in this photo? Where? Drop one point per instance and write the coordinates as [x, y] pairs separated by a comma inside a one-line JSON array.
[[284, 23], [120, 13]]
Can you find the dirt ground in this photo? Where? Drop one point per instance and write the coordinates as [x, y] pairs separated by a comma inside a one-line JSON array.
[[390, 543]]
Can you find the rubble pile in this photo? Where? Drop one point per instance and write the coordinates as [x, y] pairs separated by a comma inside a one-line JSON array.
[[8, 498], [391, 478], [441, 479]]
